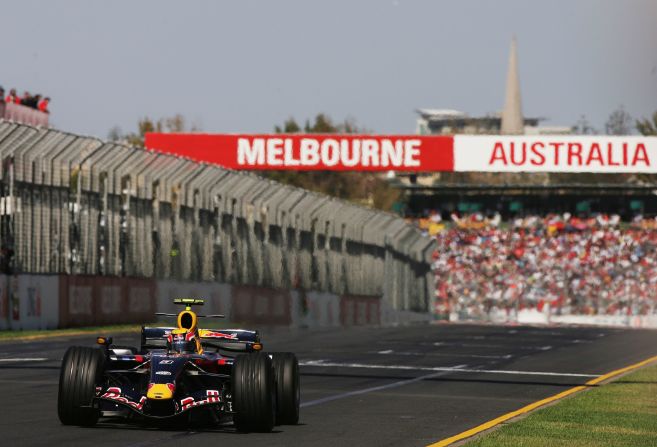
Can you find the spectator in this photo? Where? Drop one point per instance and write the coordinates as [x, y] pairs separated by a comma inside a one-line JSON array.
[[12, 97], [43, 105], [35, 101], [558, 264], [27, 99]]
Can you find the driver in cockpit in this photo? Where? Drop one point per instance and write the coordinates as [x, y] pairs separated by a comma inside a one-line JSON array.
[[185, 339]]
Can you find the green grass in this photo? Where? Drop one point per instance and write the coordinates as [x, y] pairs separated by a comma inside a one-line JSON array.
[[620, 413], [47, 333], [8, 335]]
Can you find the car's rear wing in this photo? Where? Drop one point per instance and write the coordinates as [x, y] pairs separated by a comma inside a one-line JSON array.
[[239, 340], [154, 337]]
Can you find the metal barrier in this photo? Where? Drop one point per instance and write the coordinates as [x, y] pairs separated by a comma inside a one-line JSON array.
[[23, 114], [78, 205]]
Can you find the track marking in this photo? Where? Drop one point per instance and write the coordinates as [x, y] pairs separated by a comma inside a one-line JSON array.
[[448, 369], [375, 388], [438, 354], [25, 359], [526, 409], [490, 346]]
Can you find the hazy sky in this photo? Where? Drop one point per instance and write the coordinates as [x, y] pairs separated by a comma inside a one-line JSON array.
[[244, 66]]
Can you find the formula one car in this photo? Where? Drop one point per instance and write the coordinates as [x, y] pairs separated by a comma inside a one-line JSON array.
[[181, 372]]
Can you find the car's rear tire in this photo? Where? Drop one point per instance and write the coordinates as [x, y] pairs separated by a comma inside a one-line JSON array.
[[253, 393], [81, 371], [286, 372]]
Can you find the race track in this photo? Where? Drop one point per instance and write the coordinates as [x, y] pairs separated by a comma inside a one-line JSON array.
[[404, 386]]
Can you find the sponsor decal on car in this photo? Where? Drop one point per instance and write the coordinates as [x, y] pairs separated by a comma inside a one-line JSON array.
[[163, 373], [213, 397], [165, 362], [114, 393], [217, 334]]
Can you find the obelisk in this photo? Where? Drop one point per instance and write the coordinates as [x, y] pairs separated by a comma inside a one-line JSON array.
[[512, 121]]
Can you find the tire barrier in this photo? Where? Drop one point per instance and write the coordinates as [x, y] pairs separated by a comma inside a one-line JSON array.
[[76, 205]]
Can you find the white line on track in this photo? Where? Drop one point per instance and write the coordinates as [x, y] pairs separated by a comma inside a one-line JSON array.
[[25, 359], [438, 354], [375, 388], [492, 346], [446, 369]]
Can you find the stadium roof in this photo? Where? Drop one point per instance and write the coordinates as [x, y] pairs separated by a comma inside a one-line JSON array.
[[441, 113]]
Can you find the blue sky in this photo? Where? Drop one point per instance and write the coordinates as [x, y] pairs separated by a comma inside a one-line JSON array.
[[244, 66]]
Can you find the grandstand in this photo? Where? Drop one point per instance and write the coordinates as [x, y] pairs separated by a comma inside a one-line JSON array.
[[546, 268]]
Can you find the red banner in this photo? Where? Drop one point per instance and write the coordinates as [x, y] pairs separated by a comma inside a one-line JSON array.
[[464, 153], [311, 152]]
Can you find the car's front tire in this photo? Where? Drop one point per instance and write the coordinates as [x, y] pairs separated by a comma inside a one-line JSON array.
[[81, 371], [253, 393], [286, 372]]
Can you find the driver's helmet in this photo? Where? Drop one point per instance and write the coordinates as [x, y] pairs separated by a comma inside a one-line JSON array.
[[182, 342]]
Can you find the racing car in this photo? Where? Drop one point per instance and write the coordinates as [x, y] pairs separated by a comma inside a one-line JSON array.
[[180, 372]]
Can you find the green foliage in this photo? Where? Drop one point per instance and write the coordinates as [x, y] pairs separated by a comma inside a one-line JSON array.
[[322, 124], [647, 126], [363, 188], [289, 126]]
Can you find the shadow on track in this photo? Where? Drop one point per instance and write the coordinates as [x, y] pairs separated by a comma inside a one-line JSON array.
[[24, 366]]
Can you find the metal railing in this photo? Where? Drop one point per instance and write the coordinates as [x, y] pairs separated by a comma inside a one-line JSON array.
[[23, 114], [78, 205]]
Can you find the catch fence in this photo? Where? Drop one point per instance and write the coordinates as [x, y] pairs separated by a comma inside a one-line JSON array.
[[77, 205]]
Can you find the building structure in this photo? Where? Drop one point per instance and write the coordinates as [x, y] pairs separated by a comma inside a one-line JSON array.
[[514, 193]]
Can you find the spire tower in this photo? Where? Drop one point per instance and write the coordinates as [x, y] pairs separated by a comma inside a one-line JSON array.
[[512, 120]]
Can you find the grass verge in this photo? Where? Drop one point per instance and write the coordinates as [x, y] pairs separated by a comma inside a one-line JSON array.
[[619, 413], [8, 335], [48, 333]]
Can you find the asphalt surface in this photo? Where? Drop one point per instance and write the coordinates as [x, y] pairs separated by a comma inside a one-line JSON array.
[[360, 386]]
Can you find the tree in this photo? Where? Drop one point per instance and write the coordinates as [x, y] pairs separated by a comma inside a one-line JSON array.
[[619, 122], [171, 124], [289, 126], [647, 127]]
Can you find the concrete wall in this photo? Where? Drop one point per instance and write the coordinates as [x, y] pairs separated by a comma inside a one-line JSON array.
[[264, 306], [29, 302], [52, 301]]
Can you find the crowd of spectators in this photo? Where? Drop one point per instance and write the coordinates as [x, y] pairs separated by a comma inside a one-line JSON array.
[[554, 264], [37, 101]]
